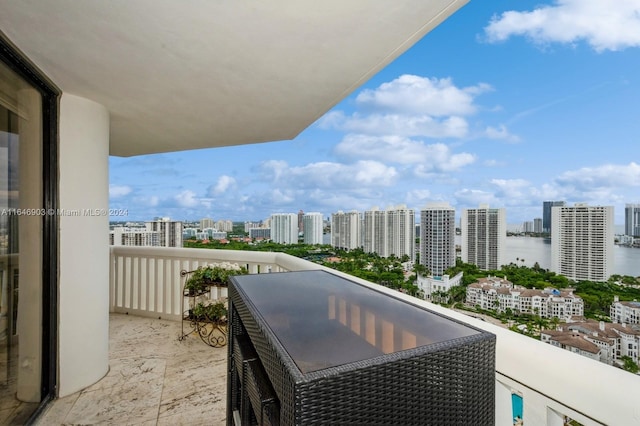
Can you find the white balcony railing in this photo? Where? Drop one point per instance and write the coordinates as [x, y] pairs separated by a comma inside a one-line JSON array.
[[552, 382]]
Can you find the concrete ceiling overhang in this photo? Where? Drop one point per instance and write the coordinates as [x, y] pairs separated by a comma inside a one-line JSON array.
[[178, 75]]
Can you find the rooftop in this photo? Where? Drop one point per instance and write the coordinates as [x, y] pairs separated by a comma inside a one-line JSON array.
[[153, 379]]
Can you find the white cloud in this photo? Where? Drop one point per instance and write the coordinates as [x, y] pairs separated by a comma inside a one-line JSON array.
[[604, 25], [331, 120], [511, 188], [412, 94], [329, 175], [500, 132], [279, 196], [374, 173], [147, 201], [492, 163], [403, 150], [410, 106], [187, 199], [471, 198], [611, 176], [608, 184], [116, 191], [406, 125], [547, 191], [273, 169], [223, 184], [440, 159], [418, 197], [429, 159]]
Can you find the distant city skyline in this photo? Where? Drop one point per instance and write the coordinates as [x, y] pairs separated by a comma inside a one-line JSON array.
[[511, 227], [509, 107]]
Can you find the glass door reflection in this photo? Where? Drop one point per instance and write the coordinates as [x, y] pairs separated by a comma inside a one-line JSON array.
[[20, 248]]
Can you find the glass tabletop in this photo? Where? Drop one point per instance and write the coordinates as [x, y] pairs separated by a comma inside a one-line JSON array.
[[323, 320]]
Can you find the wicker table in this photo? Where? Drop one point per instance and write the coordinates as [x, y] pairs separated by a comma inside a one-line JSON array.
[[312, 348]]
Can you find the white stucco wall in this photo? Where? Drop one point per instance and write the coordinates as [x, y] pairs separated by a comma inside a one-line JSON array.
[[84, 250]]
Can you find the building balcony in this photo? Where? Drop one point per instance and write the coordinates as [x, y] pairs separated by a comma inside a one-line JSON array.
[[156, 379]]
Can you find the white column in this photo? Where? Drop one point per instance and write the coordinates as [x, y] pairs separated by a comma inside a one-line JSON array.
[[84, 249]]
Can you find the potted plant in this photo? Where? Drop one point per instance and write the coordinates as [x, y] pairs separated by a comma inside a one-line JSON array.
[[216, 274], [214, 311]]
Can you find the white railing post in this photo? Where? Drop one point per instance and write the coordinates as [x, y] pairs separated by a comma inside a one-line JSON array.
[[146, 281]]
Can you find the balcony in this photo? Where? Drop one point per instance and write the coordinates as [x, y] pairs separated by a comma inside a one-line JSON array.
[[155, 379]]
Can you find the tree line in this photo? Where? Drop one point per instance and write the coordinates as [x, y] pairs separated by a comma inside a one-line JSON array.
[[389, 272]]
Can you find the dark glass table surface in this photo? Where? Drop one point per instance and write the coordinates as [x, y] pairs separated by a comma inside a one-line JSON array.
[[323, 320]]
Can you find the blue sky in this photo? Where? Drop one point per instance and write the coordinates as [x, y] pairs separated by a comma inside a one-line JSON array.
[[509, 103]]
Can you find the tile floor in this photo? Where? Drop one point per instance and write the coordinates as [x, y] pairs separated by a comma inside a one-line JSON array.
[[154, 379]]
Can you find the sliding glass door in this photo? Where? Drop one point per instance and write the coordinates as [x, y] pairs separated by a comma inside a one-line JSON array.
[[21, 220], [28, 243]]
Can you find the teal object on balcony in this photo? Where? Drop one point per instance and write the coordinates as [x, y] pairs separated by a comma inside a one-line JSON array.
[[516, 406]]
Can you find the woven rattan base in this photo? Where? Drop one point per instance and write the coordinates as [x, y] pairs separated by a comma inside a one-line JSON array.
[[398, 381]]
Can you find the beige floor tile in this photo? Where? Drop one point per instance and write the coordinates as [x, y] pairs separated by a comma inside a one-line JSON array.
[[195, 417], [153, 379], [129, 403], [131, 370]]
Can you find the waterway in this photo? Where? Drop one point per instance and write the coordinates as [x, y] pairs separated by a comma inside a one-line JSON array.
[[532, 250]]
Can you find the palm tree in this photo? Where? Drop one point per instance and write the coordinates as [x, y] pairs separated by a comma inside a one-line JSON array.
[[420, 269]]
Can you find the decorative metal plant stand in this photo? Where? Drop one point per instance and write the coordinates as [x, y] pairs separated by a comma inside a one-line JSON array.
[[212, 331]]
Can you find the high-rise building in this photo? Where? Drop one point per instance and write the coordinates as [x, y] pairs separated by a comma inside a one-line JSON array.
[[484, 234], [260, 233], [139, 237], [401, 232], [169, 231], [390, 232], [374, 231], [537, 225], [253, 225], [284, 228], [437, 237], [582, 242], [300, 221], [207, 222], [312, 228], [527, 226], [223, 225], [345, 230], [189, 233], [546, 214], [632, 220]]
